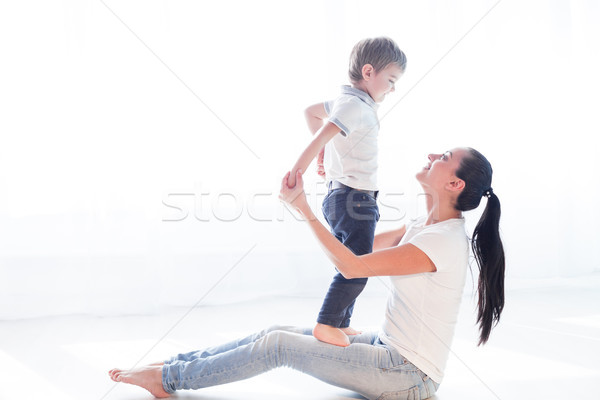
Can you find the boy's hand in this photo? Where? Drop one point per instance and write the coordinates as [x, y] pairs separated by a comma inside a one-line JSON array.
[[320, 167], [291, 179], [293, 196]]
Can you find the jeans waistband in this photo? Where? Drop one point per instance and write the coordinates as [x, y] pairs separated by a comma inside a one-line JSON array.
[[339, 185]]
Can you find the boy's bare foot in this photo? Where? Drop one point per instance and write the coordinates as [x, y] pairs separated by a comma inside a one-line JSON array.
[[350, 331], [148, 377], [331, 335]]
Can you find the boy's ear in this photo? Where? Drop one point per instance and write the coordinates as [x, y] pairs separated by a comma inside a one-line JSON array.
[[367, 71]]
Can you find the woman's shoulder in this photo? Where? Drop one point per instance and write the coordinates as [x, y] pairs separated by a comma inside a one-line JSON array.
[[450, 232], [420, 224], [445, 243]]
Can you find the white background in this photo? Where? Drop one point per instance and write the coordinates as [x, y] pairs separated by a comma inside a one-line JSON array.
[[111, 111]]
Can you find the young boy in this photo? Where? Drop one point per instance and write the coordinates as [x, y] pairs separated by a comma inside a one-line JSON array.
[[346, 145]]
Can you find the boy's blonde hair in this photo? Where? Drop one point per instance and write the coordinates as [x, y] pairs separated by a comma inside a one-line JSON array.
[[379, 52]]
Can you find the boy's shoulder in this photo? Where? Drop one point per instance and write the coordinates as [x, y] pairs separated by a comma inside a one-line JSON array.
[[344, 101], [351, 98]]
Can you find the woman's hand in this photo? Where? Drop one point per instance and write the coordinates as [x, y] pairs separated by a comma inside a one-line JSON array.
[[294, 196]]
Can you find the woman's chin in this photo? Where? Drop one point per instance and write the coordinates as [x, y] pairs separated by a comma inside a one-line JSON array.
[[421, 175]]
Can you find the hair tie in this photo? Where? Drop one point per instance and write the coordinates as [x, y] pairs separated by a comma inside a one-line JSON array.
[[488, 193]]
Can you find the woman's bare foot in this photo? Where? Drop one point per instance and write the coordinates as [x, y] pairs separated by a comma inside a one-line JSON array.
[[148, 377], [350, 331], [331, 335]]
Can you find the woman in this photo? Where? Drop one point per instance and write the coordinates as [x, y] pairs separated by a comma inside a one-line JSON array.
[[427, 266]]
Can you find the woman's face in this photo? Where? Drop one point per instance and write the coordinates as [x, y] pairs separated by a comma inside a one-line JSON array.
[[440, 170]]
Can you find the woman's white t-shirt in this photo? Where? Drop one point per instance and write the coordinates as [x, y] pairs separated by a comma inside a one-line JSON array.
[[422, 309]]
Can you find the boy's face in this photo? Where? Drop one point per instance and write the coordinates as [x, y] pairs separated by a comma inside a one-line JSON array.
[[379, 84]]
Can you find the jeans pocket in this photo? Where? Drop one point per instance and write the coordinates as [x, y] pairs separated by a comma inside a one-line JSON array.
[[429, 384], [409, 394]]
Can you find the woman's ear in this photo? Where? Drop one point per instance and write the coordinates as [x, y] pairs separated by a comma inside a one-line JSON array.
[[367, 71], [455, 185]]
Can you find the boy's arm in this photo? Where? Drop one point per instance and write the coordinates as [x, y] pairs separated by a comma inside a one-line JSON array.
[[323, 135], [315, 115]]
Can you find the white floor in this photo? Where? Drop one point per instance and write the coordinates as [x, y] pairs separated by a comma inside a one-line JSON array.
[[546, 347]]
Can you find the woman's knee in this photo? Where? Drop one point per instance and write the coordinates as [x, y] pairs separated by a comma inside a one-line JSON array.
[[274, 328], [272, 345], [288, 328]]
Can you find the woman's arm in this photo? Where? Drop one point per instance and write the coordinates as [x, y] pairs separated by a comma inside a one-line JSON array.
[[402, 260], [388, 239]]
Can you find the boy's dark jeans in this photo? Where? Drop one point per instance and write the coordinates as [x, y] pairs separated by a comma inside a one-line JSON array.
[[352, 216]]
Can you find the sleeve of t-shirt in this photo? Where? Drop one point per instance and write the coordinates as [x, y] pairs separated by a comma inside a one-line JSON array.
[[344, 114], [439, 246]]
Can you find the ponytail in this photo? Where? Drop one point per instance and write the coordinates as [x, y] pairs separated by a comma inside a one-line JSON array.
[[489, 254], [486, 244]]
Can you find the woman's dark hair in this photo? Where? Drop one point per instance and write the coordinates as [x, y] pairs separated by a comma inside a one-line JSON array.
[[486, 244]]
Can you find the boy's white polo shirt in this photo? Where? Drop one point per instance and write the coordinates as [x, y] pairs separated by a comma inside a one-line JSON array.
[[351, 156]]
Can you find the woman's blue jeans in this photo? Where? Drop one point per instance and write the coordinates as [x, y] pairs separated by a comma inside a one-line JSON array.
[[367, 366], [352, 216]]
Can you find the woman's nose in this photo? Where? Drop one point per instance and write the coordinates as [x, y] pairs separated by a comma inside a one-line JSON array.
[[433, 157]]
